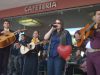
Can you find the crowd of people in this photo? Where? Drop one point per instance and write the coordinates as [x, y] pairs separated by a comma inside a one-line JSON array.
[[25, 61]]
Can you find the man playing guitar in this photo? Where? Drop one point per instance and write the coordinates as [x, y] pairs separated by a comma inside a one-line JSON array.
[[4, 51], [7, 38]]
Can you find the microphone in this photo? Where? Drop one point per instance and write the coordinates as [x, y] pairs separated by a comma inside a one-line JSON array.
[[51, 25]]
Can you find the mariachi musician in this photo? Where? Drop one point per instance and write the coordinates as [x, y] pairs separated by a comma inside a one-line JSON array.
[[5, 46], [30, 66], [82, 39], [93, 46], [7, 38], [93, 56]]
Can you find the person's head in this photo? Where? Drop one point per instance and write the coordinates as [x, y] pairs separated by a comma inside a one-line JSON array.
[[6, 24], [78, 53], [23, 37], [59, 24], [36, 34], [77, 35], [97, 16]]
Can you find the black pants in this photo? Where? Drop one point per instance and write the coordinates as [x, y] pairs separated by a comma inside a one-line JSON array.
[[30, 66], [4, 55]]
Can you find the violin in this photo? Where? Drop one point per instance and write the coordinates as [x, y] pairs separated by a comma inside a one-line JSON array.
[[85, 32]]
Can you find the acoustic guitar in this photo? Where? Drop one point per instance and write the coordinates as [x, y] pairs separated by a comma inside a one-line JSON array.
[[8, 38], [25, 49], [85, 33]]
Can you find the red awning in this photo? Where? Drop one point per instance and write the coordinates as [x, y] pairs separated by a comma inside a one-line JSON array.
[[47, 6]]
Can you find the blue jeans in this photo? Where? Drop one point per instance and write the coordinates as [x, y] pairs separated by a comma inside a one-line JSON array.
[[55, 65]]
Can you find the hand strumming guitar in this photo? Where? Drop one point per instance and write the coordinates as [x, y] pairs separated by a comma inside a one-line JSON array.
[[4, 32]]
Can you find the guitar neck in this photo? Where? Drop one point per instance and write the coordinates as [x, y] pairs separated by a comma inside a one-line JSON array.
[[43, 42], [40, 42], [18, 31], [91, 26]]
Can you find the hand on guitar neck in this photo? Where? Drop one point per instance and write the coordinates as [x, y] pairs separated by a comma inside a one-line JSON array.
[[19, 30], [84, 33]]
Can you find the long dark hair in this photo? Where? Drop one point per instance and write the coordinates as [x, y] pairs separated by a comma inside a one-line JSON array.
[[62, 27]]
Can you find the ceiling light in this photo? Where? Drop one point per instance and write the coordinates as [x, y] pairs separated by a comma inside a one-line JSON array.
[[29, 22]]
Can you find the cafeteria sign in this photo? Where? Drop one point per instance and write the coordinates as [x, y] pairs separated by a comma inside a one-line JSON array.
[[39, 7]]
